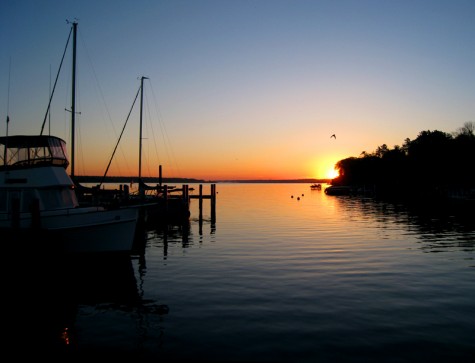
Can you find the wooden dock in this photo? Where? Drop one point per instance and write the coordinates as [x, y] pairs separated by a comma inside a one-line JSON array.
[[165, 204], [211, 197]]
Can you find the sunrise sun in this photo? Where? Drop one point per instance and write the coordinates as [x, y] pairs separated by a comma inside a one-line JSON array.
[[332, 173]]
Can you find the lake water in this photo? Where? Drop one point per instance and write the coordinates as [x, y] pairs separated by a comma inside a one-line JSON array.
[[284, 274]]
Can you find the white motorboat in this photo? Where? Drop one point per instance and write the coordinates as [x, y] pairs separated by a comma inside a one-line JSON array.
[[37, 195], [38, 198]]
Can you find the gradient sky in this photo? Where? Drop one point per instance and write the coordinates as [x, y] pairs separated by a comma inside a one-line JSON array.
[[238, 89]]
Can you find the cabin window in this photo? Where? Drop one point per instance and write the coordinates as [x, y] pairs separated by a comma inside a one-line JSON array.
[[39, 153], [50, 199], [69, 197], [57, 149], [58, 198], [22, 155]]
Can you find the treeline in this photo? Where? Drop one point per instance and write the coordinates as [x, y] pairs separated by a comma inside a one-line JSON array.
[[435, 162]]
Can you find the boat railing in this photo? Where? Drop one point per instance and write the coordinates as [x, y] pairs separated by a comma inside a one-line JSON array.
[[43, 161]]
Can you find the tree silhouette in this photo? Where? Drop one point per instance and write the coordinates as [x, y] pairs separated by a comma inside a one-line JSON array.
[[435, 163]]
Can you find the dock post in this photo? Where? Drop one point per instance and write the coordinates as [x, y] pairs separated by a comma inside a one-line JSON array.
[[186, 199], [200, 202], [213, 203], [126, 192], [160, 175]]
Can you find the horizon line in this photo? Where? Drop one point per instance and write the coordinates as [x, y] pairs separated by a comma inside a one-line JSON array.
[[131, 178]]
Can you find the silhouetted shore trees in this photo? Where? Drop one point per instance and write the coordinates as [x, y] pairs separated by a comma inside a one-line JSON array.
[[435, 163]]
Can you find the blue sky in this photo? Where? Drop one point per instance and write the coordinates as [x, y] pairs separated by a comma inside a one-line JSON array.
[[240, 89]]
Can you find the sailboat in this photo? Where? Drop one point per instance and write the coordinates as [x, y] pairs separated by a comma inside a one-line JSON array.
[[161, 206], [156, 203], [37, 196]]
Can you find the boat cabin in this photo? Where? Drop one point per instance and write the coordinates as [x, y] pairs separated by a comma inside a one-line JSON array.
[[27, 151], [33, 173]]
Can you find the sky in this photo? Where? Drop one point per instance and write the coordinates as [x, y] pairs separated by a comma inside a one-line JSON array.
[[237, 89]]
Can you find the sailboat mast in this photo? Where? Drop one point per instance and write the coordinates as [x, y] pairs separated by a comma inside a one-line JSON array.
[[73, 100], [140, 132], [8, 116], [140, 136]]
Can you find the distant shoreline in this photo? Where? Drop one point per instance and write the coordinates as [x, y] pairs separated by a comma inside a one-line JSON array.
[[303, 181], [154, 180]]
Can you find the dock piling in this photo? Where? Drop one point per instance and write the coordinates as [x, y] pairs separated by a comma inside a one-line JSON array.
[[213, 203], [211, 197]]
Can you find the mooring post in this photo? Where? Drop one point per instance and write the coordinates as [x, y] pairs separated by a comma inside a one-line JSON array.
[[185, 193], [160, 175], [126, 191], [200, 201], [186, 200], [213, 203]]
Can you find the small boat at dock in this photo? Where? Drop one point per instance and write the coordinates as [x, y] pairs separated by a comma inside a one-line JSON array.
[[339, 190]]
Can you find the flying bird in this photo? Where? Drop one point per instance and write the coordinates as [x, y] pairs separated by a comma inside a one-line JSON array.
[[333, 136]]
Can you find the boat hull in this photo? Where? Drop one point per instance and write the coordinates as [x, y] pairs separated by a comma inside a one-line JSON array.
[[104, 231], [99, 238], [81, 230]]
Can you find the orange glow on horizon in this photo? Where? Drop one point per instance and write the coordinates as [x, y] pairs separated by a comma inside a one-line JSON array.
[[258, 166]]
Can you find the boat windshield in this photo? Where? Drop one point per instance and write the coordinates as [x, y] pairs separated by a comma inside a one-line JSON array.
[[21, 151]]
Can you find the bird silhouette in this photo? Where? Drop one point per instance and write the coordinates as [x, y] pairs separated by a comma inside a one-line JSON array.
[[333, 136]]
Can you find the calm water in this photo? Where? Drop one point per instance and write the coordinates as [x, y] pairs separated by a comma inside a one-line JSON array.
[[274, 279]]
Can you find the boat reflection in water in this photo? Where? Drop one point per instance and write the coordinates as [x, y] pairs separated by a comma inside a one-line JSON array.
[[58, 304]]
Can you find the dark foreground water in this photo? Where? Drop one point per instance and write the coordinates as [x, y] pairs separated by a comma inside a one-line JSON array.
[[312, 278]]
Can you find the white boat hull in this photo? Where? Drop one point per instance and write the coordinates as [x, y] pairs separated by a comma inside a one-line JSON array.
[[90, 230], [107, 231]]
